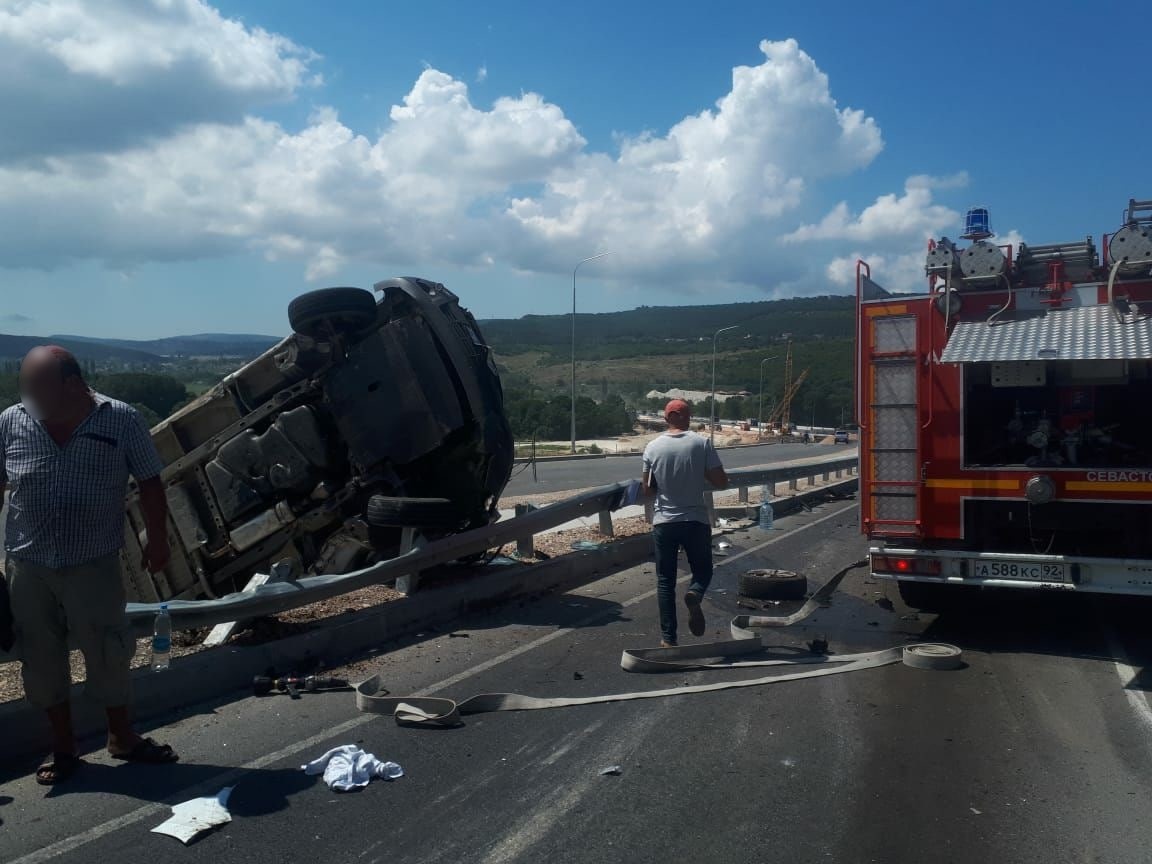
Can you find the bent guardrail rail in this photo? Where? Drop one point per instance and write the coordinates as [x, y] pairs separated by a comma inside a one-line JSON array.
[[271, 599]]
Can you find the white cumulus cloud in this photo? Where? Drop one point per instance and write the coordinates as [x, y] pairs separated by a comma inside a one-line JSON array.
[[80, 76], [193, 171]]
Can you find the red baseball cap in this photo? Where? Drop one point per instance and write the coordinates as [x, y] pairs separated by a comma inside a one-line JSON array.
[[678, 406]]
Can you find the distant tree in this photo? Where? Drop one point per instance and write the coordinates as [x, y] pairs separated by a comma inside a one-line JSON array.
[[158, 392]]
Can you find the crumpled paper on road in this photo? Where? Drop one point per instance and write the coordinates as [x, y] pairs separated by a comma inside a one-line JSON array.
[[349, 767], [194, 817]]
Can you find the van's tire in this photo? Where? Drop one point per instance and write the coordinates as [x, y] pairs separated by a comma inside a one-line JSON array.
[[386, 512], [930, 597], [344, 310], [772, 585]]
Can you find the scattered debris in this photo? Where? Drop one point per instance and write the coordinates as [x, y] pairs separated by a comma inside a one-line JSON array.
[[192, 818], [723, 544], [611, 771], [459, 635], [885, 604], [588, 545], [911, 616], [577, 676], [873, 623], [819, 645], [974, 810]]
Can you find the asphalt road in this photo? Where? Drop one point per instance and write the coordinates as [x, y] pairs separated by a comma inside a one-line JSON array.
[[562, 475], [1038, 751]]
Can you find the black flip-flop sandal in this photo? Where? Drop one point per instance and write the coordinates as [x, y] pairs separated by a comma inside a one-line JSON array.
[[60, 765], [148, 752]]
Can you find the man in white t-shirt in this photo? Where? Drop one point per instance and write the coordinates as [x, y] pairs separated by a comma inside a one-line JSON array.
[[679, 466]]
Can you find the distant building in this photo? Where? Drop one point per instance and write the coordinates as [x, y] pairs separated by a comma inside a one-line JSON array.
[[694, 396]]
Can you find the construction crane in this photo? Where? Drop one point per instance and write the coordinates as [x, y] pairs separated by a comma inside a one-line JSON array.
[[781, 410]]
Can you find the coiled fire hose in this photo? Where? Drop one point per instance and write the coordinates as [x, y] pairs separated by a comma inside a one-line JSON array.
[[372, 698]]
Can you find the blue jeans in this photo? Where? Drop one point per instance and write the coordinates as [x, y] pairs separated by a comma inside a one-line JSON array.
[[696, 538]]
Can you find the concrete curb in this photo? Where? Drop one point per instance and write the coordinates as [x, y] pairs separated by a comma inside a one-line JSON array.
[[792, 503], [228, 670]]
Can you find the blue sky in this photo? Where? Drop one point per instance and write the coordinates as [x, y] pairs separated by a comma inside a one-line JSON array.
[[187, 167]]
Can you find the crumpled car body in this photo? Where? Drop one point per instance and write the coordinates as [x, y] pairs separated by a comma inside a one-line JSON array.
[[371, 419]]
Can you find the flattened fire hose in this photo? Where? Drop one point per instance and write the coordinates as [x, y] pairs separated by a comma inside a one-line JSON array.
[[372, 698]]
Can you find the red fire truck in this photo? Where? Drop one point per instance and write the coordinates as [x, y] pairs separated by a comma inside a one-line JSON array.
[[1006, 416]]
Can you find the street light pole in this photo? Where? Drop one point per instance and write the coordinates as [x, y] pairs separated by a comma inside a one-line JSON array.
[[760, 416], [574, 269], [712, 413]]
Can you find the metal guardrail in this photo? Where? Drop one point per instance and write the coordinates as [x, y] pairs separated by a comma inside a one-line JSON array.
[[281, 596]]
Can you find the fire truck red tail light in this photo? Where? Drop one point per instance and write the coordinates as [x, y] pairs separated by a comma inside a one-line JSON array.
[[905, 564]]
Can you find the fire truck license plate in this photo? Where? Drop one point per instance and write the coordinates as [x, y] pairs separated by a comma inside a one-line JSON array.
[[983, 569]]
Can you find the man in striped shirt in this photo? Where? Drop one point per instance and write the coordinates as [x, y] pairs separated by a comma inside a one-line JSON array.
[[65, 456]]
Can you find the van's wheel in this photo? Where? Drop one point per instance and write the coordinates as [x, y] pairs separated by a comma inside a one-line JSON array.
[[928, 596], [772, 585], [386, 512], [343, 310]]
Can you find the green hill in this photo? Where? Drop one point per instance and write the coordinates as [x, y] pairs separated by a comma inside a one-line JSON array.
[[657, 348]]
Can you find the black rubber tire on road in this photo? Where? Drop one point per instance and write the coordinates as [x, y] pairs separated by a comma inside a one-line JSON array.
[[929, 597], [772, 585], [345, 310], [386, 512]]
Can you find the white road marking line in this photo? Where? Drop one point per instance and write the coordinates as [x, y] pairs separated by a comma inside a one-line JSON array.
[[229, 778], [1127, 674]]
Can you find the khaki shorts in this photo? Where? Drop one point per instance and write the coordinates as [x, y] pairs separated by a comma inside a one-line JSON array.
[[81, 605]]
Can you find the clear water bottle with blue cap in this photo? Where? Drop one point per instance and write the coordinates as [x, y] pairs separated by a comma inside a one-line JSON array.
[[766, 514], [162, 639]]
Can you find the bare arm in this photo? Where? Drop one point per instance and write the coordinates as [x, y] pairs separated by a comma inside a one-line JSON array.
[[717, 477], [154, 507]]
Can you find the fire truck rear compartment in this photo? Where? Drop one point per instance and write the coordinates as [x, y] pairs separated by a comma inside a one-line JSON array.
[[1080, 528], [1058, 414]]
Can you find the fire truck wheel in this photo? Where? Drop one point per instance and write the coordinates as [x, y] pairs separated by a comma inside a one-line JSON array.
[[928, 597], [772, 585]]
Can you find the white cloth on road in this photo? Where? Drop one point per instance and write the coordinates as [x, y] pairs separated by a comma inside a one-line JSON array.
[[349, 767], [196, 816]]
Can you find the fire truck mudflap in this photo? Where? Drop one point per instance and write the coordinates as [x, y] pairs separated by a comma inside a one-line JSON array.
[[1006, 415]]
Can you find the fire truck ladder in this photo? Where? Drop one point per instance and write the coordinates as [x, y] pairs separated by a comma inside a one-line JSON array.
[[892, 440]]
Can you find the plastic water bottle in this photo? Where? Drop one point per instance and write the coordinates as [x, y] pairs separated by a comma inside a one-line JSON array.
[[766, 516], [161, 639]]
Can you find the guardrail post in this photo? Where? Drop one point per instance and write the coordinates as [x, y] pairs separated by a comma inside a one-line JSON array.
[[606, 528], [281, 571], [793, 484], [743, 495], [839, 473], [525, 546], [827, 476], [409, 582]]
